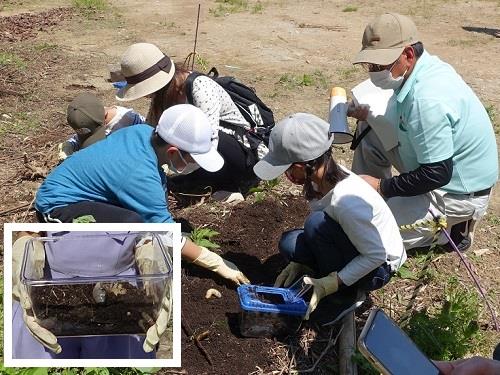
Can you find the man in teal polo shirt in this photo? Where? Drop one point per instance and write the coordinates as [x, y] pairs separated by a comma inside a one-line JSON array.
[[447, 154]]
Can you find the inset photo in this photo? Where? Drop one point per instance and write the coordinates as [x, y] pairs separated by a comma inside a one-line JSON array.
[[94, 297]]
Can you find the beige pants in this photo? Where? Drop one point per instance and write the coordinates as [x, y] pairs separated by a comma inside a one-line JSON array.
[[372, 159]]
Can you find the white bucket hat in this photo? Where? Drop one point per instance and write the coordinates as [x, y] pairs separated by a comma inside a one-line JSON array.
[[146, 70], [188, 128]]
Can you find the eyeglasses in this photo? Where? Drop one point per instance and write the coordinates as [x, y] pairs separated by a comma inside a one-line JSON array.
[[369, 67]]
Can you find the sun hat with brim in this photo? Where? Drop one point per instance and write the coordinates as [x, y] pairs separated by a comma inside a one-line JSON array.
[[299, 138], [385, 38], [146, 70], [188, 128]]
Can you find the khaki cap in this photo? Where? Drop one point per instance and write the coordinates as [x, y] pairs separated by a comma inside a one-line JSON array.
[[385, 38], [86, 111]]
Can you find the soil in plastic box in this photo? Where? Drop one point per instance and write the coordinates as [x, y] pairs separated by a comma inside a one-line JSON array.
[[71, 310]]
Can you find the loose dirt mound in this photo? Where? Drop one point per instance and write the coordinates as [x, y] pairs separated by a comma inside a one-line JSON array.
[[27, 25], [249, 235]]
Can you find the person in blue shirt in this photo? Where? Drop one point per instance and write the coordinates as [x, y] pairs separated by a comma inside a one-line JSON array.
[[447, 154], [121, 179]]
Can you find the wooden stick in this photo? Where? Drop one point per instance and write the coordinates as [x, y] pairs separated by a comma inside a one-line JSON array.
[[347, 346], [10, 210], [189, 333]]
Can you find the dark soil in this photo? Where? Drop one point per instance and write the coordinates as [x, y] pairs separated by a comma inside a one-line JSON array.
[[71, 310], [28, 25], [249, 236]]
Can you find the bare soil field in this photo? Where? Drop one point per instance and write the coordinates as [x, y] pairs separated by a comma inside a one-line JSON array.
[[292, 52]]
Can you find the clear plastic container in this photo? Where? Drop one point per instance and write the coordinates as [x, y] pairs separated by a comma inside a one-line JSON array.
[[271, 312], [71, 297]]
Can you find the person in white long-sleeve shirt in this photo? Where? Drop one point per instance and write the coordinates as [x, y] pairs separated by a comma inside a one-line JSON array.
[[351, 241]]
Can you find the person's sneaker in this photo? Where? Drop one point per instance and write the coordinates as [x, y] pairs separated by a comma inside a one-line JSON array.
[[462, 234], [333, 308]]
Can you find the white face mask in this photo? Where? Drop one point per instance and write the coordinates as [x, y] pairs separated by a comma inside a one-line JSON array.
[[172, 171], [385, 80], [315, 187]]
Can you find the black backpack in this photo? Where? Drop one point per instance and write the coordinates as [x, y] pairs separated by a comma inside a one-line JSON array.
[[259, 116]]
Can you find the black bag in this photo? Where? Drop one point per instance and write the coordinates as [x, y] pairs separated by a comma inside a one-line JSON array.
[[259, 116]]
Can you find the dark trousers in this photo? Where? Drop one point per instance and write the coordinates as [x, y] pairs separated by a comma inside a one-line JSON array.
[[323, 246], [102, 213], [236, 174]]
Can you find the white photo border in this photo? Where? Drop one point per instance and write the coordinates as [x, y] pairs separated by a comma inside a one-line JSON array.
[[175, 361]]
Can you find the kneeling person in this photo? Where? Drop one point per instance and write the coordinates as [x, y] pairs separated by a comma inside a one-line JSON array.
[[350, 242]]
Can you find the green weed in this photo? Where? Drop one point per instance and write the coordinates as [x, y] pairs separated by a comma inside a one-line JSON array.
[[168, 25], [290, 81], [42, 47], [228, 6], [348, 73], [201, 62], [350, 8], [266, 188], [90, 5], [12, 60], [492, 114], [453, 331], [203, 237], [363, 364], [1, 314], [257, 8], [21, 123], [493, 219]]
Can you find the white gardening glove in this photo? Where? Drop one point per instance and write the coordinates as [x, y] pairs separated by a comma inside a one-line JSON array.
[[65, 149], [19, 292], [290, 273], [224, 268], [322, 288], [148, 262]]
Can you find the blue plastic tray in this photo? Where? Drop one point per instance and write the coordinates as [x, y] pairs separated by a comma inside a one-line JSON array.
[[250, 301]]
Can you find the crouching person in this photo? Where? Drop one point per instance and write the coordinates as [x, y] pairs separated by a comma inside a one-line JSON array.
[[121, 179], [350, 242]]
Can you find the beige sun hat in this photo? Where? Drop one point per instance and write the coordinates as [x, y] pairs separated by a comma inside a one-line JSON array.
[[146, 69], [385, 38]]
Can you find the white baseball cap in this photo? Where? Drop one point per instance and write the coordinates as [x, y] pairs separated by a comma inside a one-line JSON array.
[[187, 128]]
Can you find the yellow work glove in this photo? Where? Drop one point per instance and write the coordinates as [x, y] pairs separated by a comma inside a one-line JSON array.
[[149, 261], [64, 150], [322, 288], [224, 268], [290, 273], [20, 294]]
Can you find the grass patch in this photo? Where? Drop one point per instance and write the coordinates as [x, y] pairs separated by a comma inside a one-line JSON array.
[[1, 315], [452, 331], [12, 60], [201, 62], [90, 5], [225, 7], [350, 8], [43, 47], [257, 8], [291, 81], [492, 114], [22, 123]]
